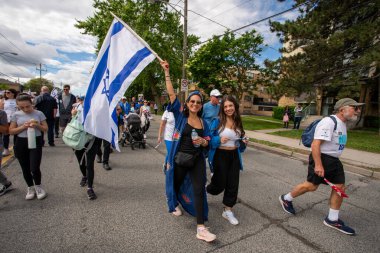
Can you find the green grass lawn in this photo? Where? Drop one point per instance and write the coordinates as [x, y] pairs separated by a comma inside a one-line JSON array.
[[260, 123], [357, 139]]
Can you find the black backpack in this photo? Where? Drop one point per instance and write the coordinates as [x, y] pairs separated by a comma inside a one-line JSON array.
[[307, 136]]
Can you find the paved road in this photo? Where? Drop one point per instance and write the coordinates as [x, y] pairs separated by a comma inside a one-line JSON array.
[[130, 213]]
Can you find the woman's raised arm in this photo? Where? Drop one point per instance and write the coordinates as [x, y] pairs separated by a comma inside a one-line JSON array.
[[169, 85]]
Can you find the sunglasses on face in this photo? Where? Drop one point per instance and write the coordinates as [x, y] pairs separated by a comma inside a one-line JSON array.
[[198, 102], [356, 108], [7, 92]]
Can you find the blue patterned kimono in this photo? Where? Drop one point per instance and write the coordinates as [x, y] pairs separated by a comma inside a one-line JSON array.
[[185, 195]]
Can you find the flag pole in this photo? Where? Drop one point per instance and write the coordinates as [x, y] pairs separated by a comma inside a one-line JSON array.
[[137, 36]]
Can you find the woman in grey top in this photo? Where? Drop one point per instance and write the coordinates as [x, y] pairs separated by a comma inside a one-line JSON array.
[[29, 159]]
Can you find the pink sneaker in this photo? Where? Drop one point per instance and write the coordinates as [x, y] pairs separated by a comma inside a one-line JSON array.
[[205, 235]]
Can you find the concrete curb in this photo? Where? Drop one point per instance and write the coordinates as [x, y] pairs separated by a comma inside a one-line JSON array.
[[305, 158]]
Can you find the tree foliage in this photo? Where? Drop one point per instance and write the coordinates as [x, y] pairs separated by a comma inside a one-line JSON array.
[[35, 84], [227, 63], [160, 28], [339, 42]]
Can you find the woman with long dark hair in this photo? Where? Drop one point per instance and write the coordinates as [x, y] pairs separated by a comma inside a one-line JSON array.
[[29, 158], [186, 165], [10, 107], [227, 142]]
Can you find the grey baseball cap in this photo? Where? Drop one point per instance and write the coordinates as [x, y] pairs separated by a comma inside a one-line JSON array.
[[346, 101]]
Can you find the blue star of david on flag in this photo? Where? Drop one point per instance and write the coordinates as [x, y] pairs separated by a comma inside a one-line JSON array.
[[106, 82]]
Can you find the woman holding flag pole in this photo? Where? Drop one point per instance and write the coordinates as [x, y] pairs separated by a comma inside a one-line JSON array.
[[186, 165]]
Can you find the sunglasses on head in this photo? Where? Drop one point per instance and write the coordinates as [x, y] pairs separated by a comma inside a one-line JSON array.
[[198, 102]]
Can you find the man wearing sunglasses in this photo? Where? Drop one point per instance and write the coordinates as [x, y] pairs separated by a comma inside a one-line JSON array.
[[65, 105], [328, 144], [211, 108]]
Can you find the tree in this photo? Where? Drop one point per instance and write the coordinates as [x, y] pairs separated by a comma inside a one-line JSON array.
[[35, 84], [338, 43], [158, 27], [228, 63]]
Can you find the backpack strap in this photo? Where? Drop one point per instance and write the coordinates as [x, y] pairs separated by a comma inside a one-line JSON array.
[[89, 146], [335, 122]]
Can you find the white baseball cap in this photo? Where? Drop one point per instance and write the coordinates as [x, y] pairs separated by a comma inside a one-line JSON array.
[[123, 97], [215, 93]]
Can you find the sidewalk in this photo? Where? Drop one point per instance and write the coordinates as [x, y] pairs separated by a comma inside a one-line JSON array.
[[361, 162]]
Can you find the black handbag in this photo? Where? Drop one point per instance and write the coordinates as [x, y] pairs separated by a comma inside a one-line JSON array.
[[185, 159]]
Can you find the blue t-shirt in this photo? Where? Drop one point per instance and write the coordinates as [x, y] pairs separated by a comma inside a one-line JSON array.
[[210, 112]]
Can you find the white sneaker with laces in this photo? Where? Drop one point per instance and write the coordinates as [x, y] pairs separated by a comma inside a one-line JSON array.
[[30, 194], [41, 194], [205, 235], [177, 211], [229, 215]]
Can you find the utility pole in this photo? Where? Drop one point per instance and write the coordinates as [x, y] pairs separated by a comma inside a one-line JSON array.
[[184, 75], [40, 69]]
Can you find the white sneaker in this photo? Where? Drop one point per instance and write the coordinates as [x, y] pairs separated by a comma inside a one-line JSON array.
[[205, 235], [177, 211], [229, 215], [41, 194], [6, 152], [31, 193]]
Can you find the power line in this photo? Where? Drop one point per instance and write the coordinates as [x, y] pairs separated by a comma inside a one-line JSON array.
[[11, 43], [222, 12], [3, 56], [1, 73], [256, 22]]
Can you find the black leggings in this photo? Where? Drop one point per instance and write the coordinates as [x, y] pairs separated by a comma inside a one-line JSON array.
[[29, 159], [226, 166], [198, 180], [87, 165]]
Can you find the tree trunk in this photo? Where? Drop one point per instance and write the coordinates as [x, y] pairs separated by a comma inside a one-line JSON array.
[[378, 98], [318, 100]]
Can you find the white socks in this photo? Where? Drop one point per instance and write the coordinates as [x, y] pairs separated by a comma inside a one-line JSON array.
[[288, 197], [333, 215]]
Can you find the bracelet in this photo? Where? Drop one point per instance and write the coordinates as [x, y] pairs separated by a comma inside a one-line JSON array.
[[204, 142]]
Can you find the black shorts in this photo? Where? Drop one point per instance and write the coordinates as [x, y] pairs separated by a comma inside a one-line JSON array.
[[333, 170]]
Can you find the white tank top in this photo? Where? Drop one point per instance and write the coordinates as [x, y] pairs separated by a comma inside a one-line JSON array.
[[232, 135]]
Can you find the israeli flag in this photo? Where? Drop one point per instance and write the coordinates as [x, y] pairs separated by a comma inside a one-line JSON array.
[[54, 93], [121, 59]]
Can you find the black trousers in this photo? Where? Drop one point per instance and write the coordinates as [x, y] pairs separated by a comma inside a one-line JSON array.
[[198, 180], [106, 152], [87, 165], [50, 133], [226, 166], [56, 126], [29, 159], [297, 122]]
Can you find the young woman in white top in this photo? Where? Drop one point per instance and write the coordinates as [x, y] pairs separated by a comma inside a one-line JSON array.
[[166, 128], [29, 158], [227, 142], [10, 107]]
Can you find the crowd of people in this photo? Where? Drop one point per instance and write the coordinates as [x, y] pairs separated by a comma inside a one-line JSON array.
[[197, 135]]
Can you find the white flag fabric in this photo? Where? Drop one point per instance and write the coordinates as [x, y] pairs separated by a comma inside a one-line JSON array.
[[121, 59], [54, 93]]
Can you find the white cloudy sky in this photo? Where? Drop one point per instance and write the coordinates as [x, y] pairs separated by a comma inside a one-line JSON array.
[[41, 31]]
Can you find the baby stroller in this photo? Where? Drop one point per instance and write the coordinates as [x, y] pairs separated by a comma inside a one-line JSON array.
[[133, 133]]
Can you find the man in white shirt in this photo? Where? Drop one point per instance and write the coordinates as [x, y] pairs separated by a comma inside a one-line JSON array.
[[327, 146]]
